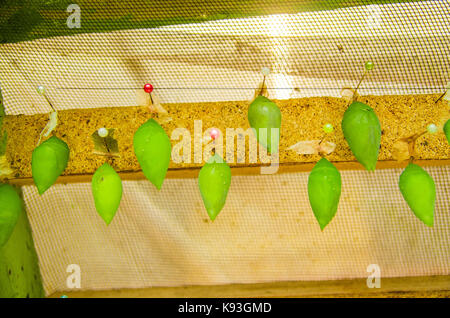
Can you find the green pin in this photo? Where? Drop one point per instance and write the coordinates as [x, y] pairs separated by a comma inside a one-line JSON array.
[[41, 90], [368, 65], [328, 128]]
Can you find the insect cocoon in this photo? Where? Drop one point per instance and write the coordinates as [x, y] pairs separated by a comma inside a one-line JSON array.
[[447, 130], [152, 148], [362, 131], [418, 190], [324, 191], [107, 191], [10, 208], [48, 161], [214, 181], [263, 113]]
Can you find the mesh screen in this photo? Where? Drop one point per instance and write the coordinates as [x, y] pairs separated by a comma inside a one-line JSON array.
[[267, 231], [310, 54]]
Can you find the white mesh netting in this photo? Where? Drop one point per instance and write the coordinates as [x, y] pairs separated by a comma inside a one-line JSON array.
[[267, 231]]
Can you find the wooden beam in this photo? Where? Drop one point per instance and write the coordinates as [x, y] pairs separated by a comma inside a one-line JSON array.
[[427, 286], [400, 116], [184, 173]]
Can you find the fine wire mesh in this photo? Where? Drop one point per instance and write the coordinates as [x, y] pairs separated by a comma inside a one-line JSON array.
[[267, 231], [318, 53]]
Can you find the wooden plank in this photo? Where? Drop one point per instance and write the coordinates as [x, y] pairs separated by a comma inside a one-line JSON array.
[[184, 173], [426, 286], [302, 120]]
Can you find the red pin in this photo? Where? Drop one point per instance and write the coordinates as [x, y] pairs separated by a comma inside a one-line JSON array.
[[214, 133], [148, 88]]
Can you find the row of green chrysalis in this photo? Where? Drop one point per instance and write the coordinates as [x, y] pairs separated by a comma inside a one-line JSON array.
[[362, 131], [152, 147]]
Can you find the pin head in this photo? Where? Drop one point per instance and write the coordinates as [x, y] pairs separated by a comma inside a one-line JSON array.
[[148, 88], [328, 128], [214, 133], [40, 89], [432, 128], [265, 71], [368, 65], [102, 132]]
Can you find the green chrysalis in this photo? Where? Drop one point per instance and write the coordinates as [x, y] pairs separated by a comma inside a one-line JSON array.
[[418, 190], [447, 130], [214, 181], [153, 149], [107, 191], [263, 113], [48, 161], [362, 131], [10, 208], [324, 191], [19, 267]]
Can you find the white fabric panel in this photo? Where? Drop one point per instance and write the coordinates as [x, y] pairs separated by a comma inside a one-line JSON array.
[[319, 53], [266, 232]]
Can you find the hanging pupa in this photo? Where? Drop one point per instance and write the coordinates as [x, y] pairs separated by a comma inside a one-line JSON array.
[[107, 192], [48, 161], [214, 181], [324, 191], [263, 113], [10, 208], [153, 149], [447, 130], [362, 131], [418, 190]]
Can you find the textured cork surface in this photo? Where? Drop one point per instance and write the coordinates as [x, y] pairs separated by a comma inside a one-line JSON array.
[[302, 119]]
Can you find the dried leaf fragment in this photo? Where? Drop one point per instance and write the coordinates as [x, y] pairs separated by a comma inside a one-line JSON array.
[[5, 169], [261, 90], [51, 125], [313, 147], [400, 150]]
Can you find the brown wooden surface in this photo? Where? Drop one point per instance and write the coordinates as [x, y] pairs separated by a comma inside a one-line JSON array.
[[400, 116], [427, 286], [183, 173]]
